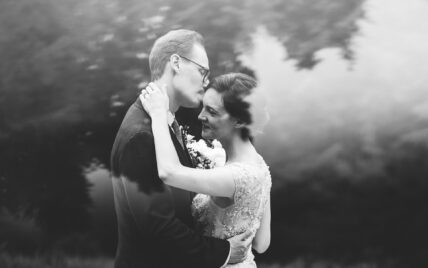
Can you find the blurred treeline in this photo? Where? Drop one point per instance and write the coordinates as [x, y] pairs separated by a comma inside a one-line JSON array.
[[68, 72]]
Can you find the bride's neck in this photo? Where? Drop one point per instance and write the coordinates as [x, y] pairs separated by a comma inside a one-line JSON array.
[[237, 149]]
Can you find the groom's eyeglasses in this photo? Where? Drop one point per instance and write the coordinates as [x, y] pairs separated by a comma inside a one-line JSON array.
[[204, 71]]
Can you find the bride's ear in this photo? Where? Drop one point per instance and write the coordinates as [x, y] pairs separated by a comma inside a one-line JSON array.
[[240, 124], [174, 62]]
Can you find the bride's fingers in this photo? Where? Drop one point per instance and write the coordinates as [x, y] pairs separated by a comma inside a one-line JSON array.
[[144, 93], [153, 87], [142, 99], [150, 89]]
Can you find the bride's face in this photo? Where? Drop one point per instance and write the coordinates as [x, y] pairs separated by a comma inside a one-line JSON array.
[[216, 122]]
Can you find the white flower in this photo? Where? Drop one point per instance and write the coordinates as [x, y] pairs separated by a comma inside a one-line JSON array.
[[204, 155], [216, 144], [217, 155]]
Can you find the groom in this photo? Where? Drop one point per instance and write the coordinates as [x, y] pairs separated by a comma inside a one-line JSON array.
[[155, 224]]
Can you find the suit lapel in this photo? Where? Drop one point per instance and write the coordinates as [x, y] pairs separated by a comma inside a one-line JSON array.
[[183, 154], [182, 198]]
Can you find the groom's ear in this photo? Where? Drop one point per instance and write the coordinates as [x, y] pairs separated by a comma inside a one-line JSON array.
[[174, 61]]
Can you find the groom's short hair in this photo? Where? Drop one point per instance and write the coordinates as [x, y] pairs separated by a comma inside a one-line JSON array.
[[174, 42]]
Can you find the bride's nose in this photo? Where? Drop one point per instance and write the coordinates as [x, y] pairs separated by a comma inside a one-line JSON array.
[[202, 116]]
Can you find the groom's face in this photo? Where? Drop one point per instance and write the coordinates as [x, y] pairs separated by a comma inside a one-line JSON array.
[[190, 79]]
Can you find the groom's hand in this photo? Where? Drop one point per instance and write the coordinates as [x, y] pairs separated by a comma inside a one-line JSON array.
[[239, 245]]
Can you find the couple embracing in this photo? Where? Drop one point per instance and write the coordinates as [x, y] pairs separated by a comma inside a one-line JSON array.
[[169, 213]]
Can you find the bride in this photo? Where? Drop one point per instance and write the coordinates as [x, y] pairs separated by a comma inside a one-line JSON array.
[[235, 197]]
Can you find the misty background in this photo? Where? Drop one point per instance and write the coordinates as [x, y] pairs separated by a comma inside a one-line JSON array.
[[347, 142]]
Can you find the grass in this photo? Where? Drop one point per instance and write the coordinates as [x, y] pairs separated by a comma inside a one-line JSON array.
[[9, 261], [301, 263], [19, 261]]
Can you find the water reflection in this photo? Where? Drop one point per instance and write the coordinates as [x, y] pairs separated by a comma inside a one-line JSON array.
[[102, 214], [382, 93], [346, 143], [348, 139]]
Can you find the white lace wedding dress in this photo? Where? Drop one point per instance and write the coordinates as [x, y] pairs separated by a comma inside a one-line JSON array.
[[252, 190]]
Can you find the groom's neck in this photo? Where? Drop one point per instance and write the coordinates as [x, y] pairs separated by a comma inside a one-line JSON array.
[[173, 104]]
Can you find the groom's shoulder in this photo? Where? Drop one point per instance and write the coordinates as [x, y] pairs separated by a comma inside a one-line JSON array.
[[136, 119], [135, 123]]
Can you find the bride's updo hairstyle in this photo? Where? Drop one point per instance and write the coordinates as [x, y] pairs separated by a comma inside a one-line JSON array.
[[243, 101]]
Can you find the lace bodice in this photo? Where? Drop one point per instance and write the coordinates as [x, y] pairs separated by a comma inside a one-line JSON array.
[[216, 218]]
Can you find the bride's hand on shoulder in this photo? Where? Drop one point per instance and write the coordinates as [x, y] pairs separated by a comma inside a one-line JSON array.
[[155, 100]]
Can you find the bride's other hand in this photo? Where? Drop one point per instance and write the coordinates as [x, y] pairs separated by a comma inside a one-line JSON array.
[[155, 100]]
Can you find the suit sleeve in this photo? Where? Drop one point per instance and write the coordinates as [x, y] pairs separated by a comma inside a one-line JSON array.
[[151, 204]]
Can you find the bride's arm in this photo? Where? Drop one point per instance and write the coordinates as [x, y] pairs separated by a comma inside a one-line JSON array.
[[261, 241], [215, 182]]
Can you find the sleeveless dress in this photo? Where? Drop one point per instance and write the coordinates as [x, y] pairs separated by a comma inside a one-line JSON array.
[[252, 191]]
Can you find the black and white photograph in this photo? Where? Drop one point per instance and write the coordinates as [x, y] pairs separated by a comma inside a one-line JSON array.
[[213, 133]]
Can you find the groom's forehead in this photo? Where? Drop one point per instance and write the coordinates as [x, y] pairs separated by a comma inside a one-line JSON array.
[[199, 54]]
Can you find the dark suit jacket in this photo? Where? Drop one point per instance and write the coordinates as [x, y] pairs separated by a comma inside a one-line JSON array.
[[154, 219]]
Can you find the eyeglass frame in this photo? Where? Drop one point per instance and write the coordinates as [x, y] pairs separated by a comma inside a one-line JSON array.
[[207, 71]]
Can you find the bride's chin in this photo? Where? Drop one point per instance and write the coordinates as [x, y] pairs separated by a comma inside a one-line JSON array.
[[206, 134]]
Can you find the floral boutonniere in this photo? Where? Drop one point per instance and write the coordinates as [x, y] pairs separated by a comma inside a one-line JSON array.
[[204, 154]]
